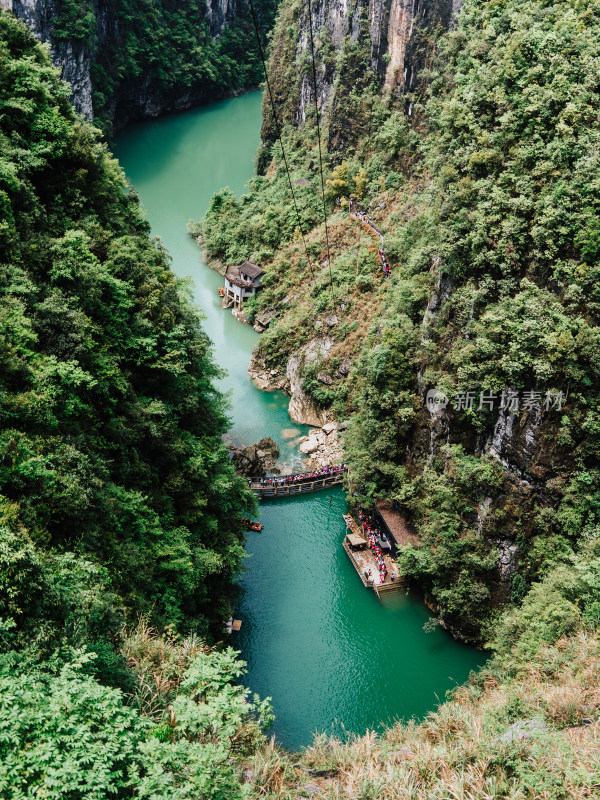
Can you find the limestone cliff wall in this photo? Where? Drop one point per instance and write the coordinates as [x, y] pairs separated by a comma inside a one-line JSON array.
[[395, 38], [73, 58], [220, 14]]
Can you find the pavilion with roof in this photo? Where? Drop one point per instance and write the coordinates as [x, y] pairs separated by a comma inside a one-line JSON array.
[[241, 283]]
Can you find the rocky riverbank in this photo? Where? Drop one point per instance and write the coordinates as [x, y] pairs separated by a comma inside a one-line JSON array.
[[302, 408], [268, 380], [324, 446]]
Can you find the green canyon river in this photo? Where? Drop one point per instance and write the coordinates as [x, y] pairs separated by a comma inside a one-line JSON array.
[[316, 641]]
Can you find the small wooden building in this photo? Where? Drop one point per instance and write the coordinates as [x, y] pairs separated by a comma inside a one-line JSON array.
[[241, 283]]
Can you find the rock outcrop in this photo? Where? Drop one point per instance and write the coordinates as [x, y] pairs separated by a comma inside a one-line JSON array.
[[269, 380], [302, 408], [256, 459], [220, 14]]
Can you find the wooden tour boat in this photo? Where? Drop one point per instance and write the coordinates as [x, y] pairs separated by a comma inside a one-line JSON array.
[[251, 525]]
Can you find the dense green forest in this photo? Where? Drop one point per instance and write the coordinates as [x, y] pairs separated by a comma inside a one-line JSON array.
[[145, 51], [119, 509], [488, 196], [119, 506]]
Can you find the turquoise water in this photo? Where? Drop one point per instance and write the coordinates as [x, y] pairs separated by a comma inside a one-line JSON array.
[[315, 639], [176, 163]]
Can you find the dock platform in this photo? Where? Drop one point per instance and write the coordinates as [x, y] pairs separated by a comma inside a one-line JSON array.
[[357, 548], [352, 526]]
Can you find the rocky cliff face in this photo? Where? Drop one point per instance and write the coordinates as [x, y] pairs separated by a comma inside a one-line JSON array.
[[74, 58], [302, 408], [220, 14], [388, 41]]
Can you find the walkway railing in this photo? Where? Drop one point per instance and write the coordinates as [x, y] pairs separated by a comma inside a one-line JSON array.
[[304, 486]]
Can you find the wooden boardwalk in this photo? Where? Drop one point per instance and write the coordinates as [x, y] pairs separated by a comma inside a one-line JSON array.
[[353, 526], [302, 487], [377, 237]]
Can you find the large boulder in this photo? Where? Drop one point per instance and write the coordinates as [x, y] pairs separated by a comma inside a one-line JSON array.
[[256, 459], [344, 368], [309, 446]]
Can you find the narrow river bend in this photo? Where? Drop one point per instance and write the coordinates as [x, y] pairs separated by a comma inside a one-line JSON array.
[[315, 640]]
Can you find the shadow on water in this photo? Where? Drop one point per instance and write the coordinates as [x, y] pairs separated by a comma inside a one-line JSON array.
[[315, 639]]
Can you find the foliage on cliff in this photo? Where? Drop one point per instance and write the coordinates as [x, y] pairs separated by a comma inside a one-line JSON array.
[[110, 436], [141, 49], [489, 202], [508, 247], [117, 496], [111, 428]]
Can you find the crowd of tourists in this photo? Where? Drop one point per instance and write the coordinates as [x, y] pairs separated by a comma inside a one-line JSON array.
[[301, 477], [384, 264], [373, 536]]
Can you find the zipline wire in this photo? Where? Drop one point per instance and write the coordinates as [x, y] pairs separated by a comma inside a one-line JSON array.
[[278, 129], [314, 74]]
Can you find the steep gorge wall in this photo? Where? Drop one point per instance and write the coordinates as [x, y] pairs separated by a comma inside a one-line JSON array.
[[74, 58], [356, 42], [387, 42]]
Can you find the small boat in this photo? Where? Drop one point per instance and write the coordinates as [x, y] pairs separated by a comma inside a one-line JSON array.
[[251, 525], [221, 291]]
